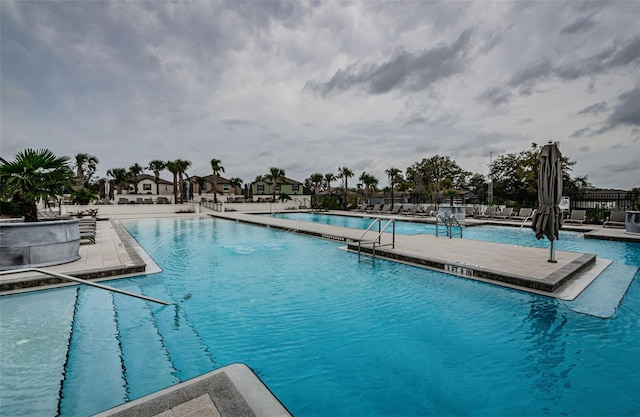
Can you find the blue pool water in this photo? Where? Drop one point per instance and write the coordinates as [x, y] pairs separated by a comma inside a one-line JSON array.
[[329, 335]]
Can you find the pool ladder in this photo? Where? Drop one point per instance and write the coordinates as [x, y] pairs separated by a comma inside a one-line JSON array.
[[449, 222], [377, 240], [83, 281]]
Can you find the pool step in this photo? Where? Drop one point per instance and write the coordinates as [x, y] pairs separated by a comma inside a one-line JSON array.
[[94, 361], [189, 354], [143, 349], [34, 341]]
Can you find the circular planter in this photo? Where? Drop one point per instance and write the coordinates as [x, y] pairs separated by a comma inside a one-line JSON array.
[[36, 244]]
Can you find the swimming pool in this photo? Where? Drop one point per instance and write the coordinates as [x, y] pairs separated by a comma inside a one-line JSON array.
[[329, 335]]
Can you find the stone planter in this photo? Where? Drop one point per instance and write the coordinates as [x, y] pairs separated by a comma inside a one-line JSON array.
[[632, 222], [37, 244]]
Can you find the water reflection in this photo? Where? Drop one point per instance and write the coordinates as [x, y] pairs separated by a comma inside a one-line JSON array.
[[547, 345]]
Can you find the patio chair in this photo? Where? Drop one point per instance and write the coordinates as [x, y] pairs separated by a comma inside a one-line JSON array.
[[396, 209], [523, 214], [576, 217], [505, 214], [385, 209], [488, 213], [616, 219], [373, 208], [410, 211]]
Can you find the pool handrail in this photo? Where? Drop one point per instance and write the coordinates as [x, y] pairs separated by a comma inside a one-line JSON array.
[[83, 281]]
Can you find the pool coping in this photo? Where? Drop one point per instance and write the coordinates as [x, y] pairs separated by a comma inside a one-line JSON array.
[[234, 390]]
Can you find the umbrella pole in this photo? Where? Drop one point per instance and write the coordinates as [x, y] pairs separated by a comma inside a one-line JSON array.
[[552, 253]]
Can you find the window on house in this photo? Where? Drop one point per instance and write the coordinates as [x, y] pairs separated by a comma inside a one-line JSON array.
[[146, 187], [277, 187], [260, 188], [225, 187], [295, 187]]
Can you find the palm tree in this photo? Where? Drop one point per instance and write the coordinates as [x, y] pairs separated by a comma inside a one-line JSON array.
[[202, 183], [316, 180], [236, 182], [119, 176], [345, 173], [31, 176], [134, 171], [395, 175], [172, 167], [275, 175], [182, 166], [369, 182], [217, 168], [157, 166], [86, 166], [328, 177]]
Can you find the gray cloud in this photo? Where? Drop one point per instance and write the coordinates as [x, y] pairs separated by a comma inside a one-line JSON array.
[[616, 56], [581, 25], [405, 71], [627, 112], [596, 108]]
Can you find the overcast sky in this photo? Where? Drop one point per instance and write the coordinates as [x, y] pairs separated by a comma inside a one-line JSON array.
[[311, 86]]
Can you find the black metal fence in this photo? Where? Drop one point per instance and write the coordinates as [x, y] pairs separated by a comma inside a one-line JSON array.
[[600, 204]]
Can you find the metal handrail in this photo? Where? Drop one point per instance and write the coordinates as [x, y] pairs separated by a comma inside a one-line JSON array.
[[378, 238], [82, 281], [271, 208], [448, 224]]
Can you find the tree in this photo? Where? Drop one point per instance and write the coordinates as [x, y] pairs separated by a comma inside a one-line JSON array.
[[157, 166], [395, 176], [34, 175], [217, 168], [86, 166], [173, 168], [119, 176], [134, 171], [236, 182], [202, 183], [345, 173], [434, 170], [369, 182], [515, 175], [276, 176], [328, 177], [182, 166], [314, 182]]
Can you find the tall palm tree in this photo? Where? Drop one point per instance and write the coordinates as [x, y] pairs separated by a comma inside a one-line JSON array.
[[157, 166], [316, 180], [370, 183], [345, 173], [394, 177], [328, 177], [134, 171], [202, 183], [182, 166], [31, 176], [276, 176], [86, 166], [119, 176], [173, 168], [217, 168], [236, 182]]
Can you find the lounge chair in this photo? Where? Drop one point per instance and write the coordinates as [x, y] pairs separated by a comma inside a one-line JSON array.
[[123, 200], [385, 209], [505, 214], [374, 208], [362, 207], [488, 213], [616, 219], [577, 217], [523, 214], [410, 211], [396, 209]]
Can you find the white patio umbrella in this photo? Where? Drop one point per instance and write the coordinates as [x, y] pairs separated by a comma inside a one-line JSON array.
[[546, 221]]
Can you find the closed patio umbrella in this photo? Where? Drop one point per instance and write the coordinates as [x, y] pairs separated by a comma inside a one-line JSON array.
[[546, 221]]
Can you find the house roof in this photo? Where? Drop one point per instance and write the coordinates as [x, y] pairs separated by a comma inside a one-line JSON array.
[[286, 181], [141, 177], [221, 180]]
